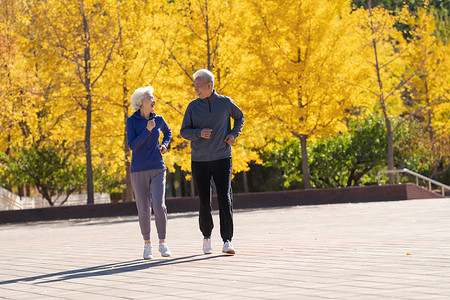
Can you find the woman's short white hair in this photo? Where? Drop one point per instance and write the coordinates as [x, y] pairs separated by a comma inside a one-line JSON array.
[[205, 75], [139, 95]]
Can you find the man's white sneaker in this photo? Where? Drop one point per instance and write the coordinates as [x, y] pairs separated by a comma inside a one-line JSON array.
[[165, 252], [148, 251], [207, 248], [228, 248]]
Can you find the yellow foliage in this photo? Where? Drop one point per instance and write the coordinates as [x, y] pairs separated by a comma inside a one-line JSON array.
[[430, 59], [296, 68], [300, 60], [391, 49]]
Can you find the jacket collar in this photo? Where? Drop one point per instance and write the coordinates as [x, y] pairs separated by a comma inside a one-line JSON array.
[[137, 115], [212, 97]]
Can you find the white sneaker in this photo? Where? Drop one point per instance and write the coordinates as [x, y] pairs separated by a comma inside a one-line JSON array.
[[228, 248], [165, 252], [207, 248], [148, 251]]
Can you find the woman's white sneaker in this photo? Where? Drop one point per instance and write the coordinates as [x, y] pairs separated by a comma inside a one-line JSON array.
[[228, 248], [147, 251], [207, 248], [165, 252]]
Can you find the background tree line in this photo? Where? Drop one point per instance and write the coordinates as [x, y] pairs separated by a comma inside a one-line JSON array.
[[332, 90]]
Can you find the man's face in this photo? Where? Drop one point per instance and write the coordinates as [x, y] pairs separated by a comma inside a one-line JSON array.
[[202, 88]]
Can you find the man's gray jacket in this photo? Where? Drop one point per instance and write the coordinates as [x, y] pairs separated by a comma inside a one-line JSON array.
[[213, 112]]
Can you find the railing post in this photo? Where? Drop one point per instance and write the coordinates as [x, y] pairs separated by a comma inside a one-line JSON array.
[[418, 177]]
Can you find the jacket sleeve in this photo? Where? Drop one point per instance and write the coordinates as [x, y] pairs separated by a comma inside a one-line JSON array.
[[167, 132], [187, 130], [238, 117], [135, 141]]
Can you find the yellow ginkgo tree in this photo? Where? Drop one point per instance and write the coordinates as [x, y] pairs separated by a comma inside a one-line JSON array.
[[205, 36], [302, 49], [139, 59], [383, 49], [429, 58], [80, 35], [18, 87]]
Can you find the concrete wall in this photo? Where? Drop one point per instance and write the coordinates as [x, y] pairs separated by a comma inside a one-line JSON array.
[[249, 200]]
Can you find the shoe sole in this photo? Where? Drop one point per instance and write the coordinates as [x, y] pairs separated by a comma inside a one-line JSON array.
[[229, 252], [209, 252], [165, 255]]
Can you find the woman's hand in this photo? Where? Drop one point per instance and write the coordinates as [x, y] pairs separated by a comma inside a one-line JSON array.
[[151, 124], [163, 149]]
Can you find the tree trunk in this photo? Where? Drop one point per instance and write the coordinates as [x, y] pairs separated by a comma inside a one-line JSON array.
[[186, 184], [129, 186], [192, 187], [20, 190], [389, 133], [27, 190], [390, 153], [351, 178], [244, 175], [87, 143], [305, 164], [182, 185], [127, 153], [87, 85], [208, 46], [430, 130]]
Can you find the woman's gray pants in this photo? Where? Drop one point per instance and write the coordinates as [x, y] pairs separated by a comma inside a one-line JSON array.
[[149, 189]]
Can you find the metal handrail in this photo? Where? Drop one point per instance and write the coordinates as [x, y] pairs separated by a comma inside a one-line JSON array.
[[7, 196], [417, 175]]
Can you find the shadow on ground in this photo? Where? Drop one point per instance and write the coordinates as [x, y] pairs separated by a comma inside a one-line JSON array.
[[111, 269]]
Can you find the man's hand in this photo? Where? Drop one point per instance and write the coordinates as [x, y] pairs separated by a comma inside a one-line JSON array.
[[163, 149], [206, 133], [230, 140]]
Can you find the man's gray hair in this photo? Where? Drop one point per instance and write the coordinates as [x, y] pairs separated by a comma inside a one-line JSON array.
[[205, 75], [139, 95]]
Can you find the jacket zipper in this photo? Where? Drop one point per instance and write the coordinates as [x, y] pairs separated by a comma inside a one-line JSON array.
[[209, 103]]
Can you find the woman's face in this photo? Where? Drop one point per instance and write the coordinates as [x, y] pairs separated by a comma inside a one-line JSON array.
[[148, 103]]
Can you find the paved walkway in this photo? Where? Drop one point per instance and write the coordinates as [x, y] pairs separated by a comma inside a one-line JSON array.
[[398, 250]]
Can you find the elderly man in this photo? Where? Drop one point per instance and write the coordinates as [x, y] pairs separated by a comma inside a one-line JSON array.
[[207, 125]]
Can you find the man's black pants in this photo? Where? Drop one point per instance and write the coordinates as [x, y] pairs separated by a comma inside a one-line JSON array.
[[220, 172]]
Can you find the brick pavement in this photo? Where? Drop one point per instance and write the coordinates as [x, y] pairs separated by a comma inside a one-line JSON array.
[[380, 250]]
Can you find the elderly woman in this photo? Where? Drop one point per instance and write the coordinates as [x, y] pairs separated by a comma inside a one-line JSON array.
[[148, 172]]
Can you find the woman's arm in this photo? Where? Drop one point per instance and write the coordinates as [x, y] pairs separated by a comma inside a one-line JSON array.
[[167, 132]]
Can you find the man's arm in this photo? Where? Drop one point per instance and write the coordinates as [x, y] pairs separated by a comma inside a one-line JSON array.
[[187, 131], [238, 117]]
